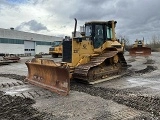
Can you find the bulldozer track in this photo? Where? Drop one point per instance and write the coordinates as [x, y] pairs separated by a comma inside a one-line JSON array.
[[84, 71]]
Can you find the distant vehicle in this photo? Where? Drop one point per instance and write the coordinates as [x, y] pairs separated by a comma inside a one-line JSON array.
[[56, 49], [2, 54], [139, 49]]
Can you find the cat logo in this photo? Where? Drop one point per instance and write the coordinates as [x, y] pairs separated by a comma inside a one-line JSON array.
[[84, 46]]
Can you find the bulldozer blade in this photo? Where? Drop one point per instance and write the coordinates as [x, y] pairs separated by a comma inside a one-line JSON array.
[[46, 74], [140, 51]]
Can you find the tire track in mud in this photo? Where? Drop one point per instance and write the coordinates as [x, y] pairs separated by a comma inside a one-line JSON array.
[[128, 97], [127, 114], [18, 108], [150, 104], [13, 76], [34, 92]]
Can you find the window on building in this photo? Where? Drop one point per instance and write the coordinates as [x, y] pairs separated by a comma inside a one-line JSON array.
[[11, 41], [42, 43]]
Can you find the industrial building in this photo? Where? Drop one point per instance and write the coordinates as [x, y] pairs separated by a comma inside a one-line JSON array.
[[25, 43]]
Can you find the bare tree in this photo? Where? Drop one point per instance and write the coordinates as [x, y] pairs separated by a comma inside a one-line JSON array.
[[154, 43], [125, 40]]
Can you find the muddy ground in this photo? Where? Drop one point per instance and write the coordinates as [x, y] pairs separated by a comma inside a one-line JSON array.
[[134, 96]]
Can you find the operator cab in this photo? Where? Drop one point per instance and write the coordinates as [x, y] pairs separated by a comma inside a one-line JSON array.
[[99, 32], [56, 43], [139, 43]]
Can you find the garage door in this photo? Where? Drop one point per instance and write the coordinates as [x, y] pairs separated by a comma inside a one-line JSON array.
[[29, 47]]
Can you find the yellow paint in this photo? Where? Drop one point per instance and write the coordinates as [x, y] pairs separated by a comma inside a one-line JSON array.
[[81, 51], [136, 43], [57, 49]]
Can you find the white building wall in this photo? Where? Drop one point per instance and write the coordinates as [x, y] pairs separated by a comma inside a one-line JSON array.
[[26, 36], [14, 34], [29, 47], [12, 48], [42, 48]]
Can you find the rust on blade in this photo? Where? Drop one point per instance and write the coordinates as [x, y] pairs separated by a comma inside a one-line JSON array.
[[140, 51], [46, 74]]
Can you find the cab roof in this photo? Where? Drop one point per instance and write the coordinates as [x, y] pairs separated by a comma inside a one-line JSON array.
[[100, 22]]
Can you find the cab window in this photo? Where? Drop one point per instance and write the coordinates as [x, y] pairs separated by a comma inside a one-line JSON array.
[[56, 43], [88, 30], [109, 32]]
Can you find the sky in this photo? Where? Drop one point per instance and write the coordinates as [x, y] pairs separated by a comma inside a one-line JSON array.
[[135, 18]]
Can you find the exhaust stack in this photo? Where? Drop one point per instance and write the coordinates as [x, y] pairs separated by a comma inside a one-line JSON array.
[[75, 27]]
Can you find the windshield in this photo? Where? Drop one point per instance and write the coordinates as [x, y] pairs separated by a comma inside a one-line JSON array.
[[88, 30], [56, 43], [99, 38]]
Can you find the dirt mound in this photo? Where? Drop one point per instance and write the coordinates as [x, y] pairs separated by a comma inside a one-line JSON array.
[[18, 108], [134, 72], [149, 61], [132, 59], [147, 69]]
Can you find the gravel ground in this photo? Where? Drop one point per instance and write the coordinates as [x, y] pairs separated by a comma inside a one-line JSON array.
[[135, 96]]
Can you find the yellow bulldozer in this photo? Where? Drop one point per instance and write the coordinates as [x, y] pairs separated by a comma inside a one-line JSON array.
[[56, 49], [95, 57], [139, 49]]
